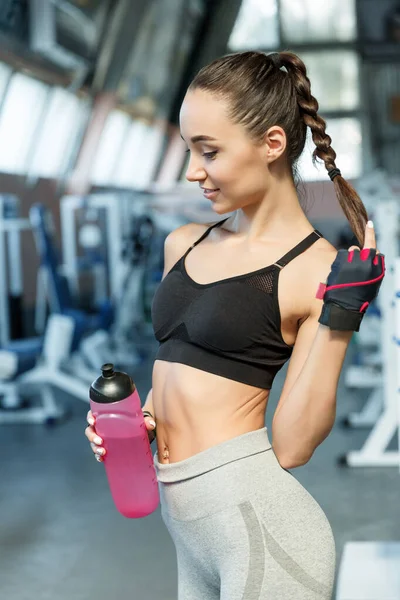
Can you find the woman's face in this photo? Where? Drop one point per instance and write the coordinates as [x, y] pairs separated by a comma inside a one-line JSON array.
[[230, 162]]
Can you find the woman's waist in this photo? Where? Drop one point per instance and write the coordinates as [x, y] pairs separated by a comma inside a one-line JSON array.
[[180, 442], [219, 453]]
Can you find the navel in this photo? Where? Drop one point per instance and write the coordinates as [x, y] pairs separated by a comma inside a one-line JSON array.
[[166, 453]]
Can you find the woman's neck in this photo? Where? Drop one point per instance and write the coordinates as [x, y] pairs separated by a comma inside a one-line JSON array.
[[278, 216]]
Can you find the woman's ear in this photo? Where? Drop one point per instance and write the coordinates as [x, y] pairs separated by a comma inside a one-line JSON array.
[[274, 143]]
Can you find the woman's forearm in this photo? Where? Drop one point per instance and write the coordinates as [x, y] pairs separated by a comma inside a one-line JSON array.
[[305, 417]]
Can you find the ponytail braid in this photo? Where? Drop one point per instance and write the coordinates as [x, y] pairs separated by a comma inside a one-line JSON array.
[[349, 200]]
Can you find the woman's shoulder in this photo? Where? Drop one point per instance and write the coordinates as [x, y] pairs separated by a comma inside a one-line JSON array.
[[322, 258], [304, 276], [184, 236], [180, 239], [314, 269]]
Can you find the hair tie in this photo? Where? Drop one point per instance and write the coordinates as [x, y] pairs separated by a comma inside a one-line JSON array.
[[276, 59], [334, 173]]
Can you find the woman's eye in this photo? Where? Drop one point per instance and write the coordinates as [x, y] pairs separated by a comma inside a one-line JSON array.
[[208, 155]]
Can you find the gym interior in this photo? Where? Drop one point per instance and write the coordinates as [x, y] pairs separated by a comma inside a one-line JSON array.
[[92, 181]]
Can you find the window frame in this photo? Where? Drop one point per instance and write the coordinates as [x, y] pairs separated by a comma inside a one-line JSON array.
[[315, 47]]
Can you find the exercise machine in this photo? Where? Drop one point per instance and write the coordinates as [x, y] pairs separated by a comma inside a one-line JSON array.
[[125, 343], [58, 295], [11, 278], [93, 230], [19, 379]]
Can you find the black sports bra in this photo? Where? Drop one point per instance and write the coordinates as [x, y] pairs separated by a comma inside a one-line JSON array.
[[230, 327]]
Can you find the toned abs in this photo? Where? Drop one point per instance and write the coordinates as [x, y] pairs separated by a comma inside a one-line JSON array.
[[195, 410]]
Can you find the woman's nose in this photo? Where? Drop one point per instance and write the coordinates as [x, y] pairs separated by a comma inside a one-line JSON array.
[[195, 172]]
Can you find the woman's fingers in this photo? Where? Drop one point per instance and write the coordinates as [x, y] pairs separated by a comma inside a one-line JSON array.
[[97, 450], [369, 241], [150, 427], [94, 439], [92, 436], [150, 423], [369, 238], [90, 418]]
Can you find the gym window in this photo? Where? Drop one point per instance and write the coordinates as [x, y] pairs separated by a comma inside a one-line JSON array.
[[139, 155], [128, 152], [257, 22], [308, 21], [19, 122], [60, 134], [109, 149], [40, 126]]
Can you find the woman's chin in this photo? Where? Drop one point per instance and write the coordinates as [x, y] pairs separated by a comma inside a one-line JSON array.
[[220, 208]]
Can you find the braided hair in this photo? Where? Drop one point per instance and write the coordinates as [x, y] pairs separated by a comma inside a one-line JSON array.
[[265, 90]]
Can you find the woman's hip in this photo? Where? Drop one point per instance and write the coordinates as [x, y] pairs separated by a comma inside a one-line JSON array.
[[234, 501], [227, 474]]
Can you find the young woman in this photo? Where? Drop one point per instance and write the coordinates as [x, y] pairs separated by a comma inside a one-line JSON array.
[[239, 299]]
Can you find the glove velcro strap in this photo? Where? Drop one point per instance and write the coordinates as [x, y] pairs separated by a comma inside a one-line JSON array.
[[338, 318]]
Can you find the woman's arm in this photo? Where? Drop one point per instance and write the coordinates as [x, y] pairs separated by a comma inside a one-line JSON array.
[[306, 410], [307, 406]]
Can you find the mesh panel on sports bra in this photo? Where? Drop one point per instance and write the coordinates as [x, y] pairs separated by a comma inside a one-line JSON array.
[[263, 281]]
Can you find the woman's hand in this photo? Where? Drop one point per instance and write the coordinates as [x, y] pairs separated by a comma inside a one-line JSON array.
[[353, 283], [96, 441]]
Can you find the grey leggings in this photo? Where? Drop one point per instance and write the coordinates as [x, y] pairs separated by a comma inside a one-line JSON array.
[[243, 527]]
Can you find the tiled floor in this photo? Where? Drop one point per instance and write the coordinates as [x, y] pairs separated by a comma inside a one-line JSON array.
[[62, 539]]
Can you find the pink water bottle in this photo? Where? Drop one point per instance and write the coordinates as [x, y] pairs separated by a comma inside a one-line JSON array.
[[128, 461]]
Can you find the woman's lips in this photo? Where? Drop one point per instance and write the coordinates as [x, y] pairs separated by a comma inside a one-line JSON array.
[[210, 194]]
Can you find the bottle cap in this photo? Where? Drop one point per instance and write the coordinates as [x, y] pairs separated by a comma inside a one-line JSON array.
[[111, 386], [107, 370]]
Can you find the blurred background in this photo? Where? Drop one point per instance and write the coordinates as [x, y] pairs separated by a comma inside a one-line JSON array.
[[92, 180]]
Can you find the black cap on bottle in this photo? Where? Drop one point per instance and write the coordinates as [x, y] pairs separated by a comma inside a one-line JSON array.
[[107, 370], [111, 386]]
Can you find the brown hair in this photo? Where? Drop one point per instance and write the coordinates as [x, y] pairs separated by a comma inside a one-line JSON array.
[[260, 94]]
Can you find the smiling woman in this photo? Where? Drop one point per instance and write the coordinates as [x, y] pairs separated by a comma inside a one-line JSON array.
[[228, 161], [237, 301], [289, 107]]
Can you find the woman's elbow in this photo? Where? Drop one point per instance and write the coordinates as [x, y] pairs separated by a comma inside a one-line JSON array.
[[291, 462]]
